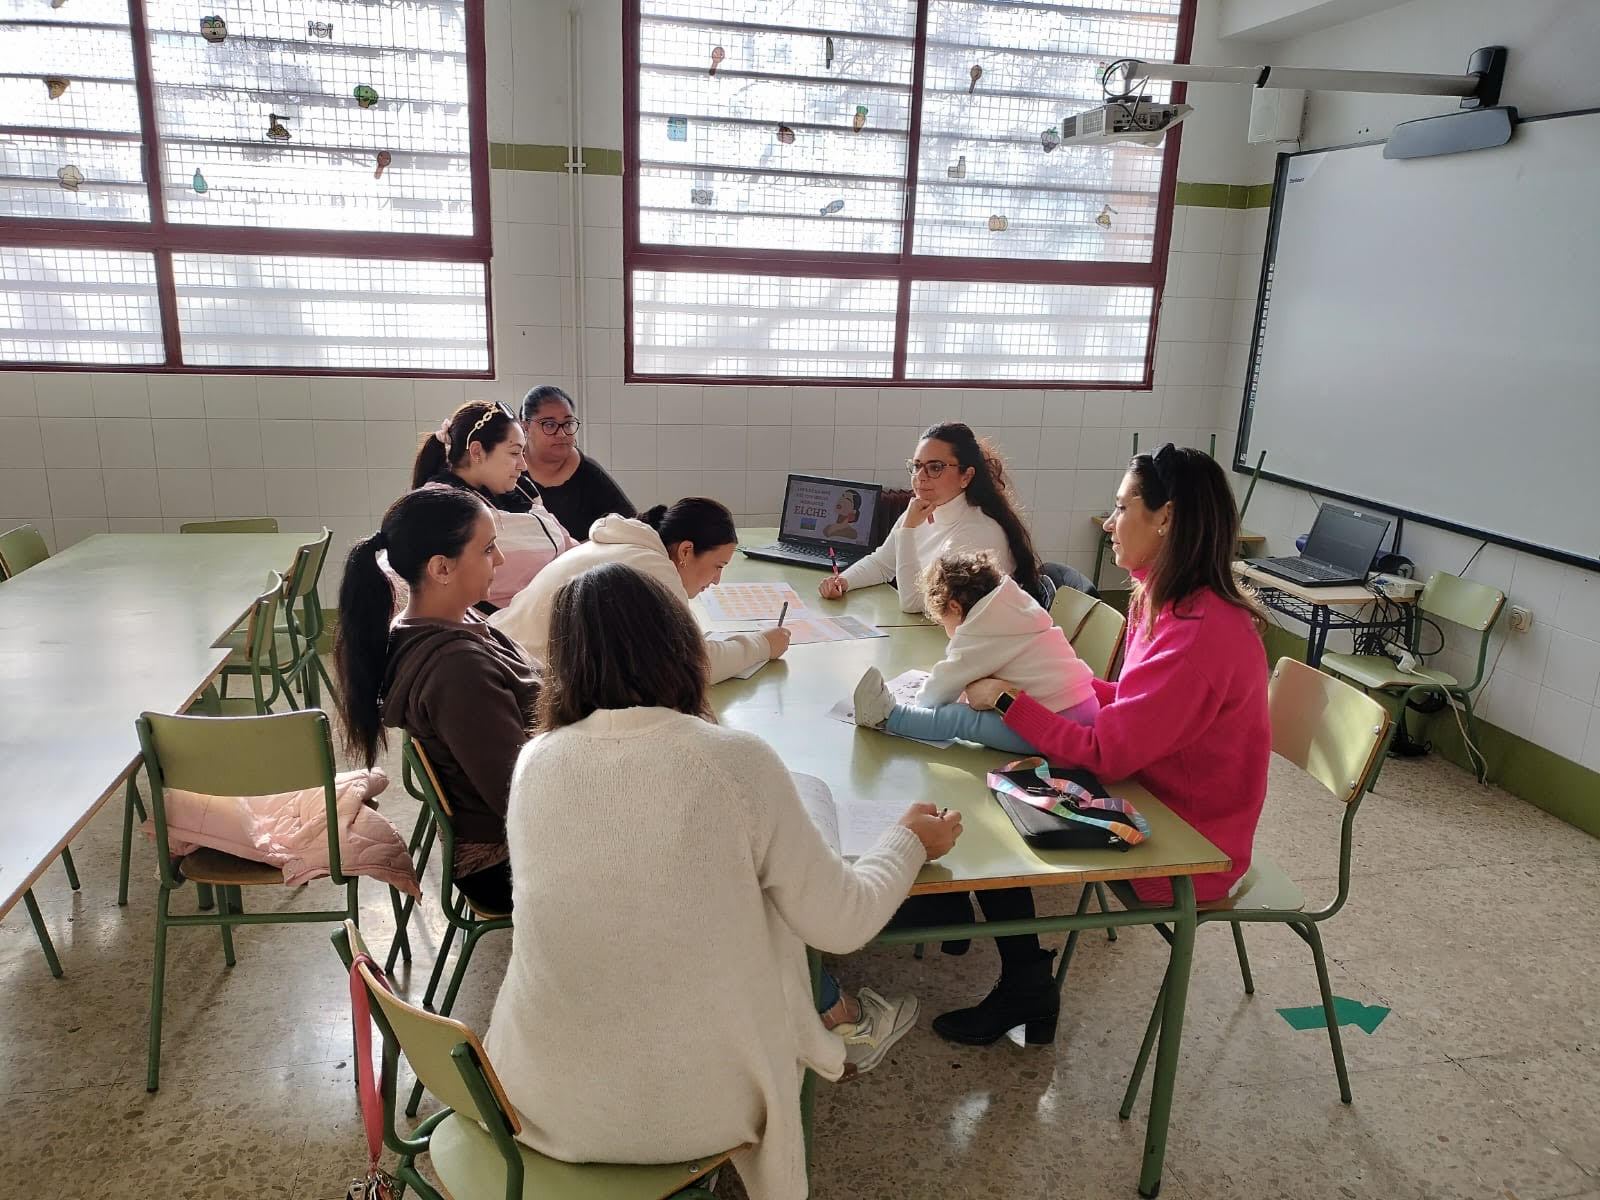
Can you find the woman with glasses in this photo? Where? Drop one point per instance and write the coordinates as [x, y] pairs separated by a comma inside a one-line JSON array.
[[959, 502], [571, 484]]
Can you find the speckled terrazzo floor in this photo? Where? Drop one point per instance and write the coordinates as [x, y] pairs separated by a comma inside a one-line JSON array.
[[1474, 917]]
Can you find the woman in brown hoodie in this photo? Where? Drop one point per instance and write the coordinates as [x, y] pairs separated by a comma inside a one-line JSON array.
[[463, 690]]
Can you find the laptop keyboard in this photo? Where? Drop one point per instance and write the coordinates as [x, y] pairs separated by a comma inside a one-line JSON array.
[[808, 553], [1309, 568]]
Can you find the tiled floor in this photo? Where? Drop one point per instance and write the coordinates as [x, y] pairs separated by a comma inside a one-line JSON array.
[[1473, 916]]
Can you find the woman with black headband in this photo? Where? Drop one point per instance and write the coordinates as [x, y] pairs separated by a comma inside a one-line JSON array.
[[1187, 718]]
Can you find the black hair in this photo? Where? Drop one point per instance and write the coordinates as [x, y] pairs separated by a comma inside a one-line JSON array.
[[481, 421], [420, 524], [536, 398], [702, 522], [989, 492]]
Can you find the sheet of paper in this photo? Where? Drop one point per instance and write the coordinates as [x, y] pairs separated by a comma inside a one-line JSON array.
[[814, 794], [904, 687], [803, 629], [853, 826], [750, 601]]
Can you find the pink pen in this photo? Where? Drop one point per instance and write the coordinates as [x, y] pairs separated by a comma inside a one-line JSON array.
[[835, 559]]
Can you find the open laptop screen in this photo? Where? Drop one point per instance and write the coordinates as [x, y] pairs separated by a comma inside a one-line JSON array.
[[1346, 539], [829, 510]]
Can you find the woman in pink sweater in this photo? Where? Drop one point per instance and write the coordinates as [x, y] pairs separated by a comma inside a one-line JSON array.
[[1187, 719]]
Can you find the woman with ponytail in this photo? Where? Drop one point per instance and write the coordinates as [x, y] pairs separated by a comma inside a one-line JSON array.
[[684, 547], [959, 502], [464, 691]]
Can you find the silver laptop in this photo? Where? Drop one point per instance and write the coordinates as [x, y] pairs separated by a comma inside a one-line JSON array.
[[1338, 551], [822, 515]]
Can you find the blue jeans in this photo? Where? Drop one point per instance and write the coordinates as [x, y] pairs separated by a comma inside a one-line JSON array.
[[963, 721], [830, 992]]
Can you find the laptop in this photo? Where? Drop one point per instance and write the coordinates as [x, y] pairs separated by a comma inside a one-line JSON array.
[[1339, 550], [821, 514]]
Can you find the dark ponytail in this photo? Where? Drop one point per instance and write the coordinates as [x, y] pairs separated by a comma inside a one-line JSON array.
[[703, 523], [480, 421], [989, 492], [419, 525]]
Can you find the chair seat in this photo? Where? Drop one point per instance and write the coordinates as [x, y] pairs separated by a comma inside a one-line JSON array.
[[1264, 888], [468, 1165], [1376, 671], [213, 866]]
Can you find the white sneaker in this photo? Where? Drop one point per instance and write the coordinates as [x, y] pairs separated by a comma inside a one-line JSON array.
[[873, 700], [882, 1024]]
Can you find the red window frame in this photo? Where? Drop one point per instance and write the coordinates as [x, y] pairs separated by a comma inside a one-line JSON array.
[[906, 267], [163, 239]]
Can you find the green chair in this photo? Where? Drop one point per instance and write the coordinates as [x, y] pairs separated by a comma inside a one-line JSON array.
[[1450, 598], [21, 548], [1070, 609], [1099, 638], [241, 525], [471, 1144], [419, 847], [299, 632], [232, 756], [1337, 735], [459, 912]]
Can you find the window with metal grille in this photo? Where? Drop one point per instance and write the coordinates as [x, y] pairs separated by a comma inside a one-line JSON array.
[[247, 185], [877, 191]]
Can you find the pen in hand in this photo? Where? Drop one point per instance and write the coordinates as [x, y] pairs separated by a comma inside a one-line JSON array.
[[834, 558], [783, 614]]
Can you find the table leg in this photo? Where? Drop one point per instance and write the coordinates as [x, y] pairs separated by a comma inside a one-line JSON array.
[[1099, 556], [1317, 642], [1174, 1000]]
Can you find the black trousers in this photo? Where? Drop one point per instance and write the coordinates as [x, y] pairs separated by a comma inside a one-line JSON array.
[[488, 889], [955, 908]]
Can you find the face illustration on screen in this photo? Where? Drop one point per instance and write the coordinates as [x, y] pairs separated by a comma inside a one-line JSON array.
[[823, 511]]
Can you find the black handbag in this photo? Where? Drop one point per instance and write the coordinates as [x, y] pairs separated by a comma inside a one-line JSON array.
[[1056, 808]]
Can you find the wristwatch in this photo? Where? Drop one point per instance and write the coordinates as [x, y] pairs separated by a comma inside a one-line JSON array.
[[1003, 702]]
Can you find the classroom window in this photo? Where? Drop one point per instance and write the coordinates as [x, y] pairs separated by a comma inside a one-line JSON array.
[[249, 187], [875, 191]]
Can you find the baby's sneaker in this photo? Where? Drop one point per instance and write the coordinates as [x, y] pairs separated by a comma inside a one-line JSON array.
[[873, 700]]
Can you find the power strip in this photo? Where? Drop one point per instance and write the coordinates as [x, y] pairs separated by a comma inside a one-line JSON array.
[[1395, 586]]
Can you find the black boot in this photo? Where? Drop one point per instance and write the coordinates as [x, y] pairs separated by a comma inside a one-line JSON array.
[[1026, 995]]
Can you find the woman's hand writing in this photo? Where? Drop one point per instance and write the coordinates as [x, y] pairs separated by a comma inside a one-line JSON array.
[[832, 587], [937, 832]]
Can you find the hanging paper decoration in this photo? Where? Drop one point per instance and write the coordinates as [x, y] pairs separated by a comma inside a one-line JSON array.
[[831, 207], [319, 29], [201, 187], [277, 130], [1050, 138], [213, 28], [384, 159], [70, 178], [366, 96], [958, 169], [976, 73], [701, 196], [1104, 219], [786, 135], [677, 129], [55, 85], [827, 53], [717, 55], [997, 224], [860, 118]]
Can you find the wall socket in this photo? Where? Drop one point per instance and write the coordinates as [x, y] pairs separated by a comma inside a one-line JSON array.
[[1521, 619]]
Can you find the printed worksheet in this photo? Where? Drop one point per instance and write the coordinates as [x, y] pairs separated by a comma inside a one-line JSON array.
[[750, 601], [904, 687], [803, 629]]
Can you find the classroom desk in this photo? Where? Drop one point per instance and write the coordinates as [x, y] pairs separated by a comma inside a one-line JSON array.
[[1324, 609], [116, 625], [878, 605], [787, 703]]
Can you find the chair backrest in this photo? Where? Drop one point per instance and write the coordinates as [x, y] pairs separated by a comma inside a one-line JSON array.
[[239, 756], [308, 562], [1330, 730], [261, 643], [432, 1045], [306, 624], [21, 548], [1070, 609], [1099, 638], [1461, 601], [242, 525]]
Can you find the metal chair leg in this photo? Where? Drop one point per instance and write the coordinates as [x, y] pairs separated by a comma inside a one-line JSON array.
[[157, 988], [1152, 1028], [1100, 899], [1244, 959], [130, 799], [45, 943], [438, 967], [224, 903], [1314, 940], [72, 870]]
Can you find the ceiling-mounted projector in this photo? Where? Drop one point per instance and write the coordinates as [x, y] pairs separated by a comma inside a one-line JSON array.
[[1128, 119]]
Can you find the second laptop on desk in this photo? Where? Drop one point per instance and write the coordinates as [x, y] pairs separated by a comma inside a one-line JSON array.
[[1338, 551], [821, 514]]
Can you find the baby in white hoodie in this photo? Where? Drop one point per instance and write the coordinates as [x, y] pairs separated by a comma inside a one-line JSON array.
[[996, 629]]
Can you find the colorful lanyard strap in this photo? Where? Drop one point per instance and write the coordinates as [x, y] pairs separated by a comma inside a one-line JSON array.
[[1067, 799]]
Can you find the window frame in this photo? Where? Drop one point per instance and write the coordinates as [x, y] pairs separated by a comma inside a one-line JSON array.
[[163, 239], [905, 268]]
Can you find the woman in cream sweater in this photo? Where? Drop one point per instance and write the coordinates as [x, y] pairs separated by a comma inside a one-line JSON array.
[[684, 548], [667, 881]]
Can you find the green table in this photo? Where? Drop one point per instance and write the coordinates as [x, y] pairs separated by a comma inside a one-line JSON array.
[[116, 625], [878, 605], [787, 704]]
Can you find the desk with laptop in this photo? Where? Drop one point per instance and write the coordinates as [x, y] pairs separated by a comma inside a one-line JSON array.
[[1322, 584], [825, 523]]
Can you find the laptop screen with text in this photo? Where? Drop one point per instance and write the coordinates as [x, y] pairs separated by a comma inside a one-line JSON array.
[[829, 510]]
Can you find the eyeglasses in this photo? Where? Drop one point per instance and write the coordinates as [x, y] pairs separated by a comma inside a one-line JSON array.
[[489, 411], [933, 469], [550, 426]]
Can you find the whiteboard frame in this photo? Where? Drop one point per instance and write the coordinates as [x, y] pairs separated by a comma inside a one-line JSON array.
[[1242, 466]]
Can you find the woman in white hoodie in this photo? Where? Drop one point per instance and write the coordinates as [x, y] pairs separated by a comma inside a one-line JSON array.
[[684, 548], [996, 629]]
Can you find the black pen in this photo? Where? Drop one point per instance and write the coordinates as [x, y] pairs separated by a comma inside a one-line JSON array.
[[783, 614]]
